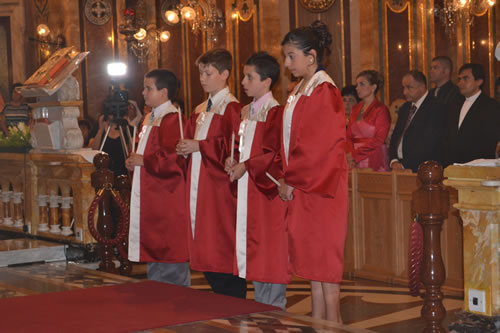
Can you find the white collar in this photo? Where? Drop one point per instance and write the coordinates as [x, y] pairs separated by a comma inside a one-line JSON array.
[[472, 99], [163, 109], [219, 97], [421, 100]]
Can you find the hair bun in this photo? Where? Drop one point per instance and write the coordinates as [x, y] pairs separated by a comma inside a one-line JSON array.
[[324, 36]]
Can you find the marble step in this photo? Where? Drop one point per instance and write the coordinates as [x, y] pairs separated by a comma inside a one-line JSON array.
[[25, 250]]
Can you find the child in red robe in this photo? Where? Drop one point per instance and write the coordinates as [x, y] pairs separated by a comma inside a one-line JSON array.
[[315, 170], [158, 214], [211, 197], [261, 237]]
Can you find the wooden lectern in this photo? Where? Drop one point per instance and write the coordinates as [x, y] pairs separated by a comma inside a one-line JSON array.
[[479, 205]]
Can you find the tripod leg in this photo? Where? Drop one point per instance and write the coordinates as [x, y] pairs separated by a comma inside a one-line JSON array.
[[124, 144], [130, 138], [105, 137]]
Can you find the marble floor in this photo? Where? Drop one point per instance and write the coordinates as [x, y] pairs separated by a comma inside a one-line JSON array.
[[366, 306]]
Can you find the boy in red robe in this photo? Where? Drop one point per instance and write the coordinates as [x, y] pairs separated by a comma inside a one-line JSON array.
[[261, 237], [158, 213], [212, 198]]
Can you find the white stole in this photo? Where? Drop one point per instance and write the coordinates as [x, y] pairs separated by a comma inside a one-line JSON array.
[[246, 133], [202, 127], [134, 235]]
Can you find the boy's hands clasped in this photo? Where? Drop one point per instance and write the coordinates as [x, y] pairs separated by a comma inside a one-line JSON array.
[[187, 146], [234, 170]]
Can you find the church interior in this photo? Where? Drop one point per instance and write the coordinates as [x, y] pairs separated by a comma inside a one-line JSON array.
[[47, 248]]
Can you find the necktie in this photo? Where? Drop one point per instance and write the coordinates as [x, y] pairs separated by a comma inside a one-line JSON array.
[[436, 91], [252, 111], [209, 105], [413, 109], [151, 118]]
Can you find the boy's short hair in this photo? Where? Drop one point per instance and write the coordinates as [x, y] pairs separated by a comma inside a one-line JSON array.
[[220, 58], [266, 66], [164, 79]]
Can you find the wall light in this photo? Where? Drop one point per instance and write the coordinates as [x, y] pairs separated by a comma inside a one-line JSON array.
[[42, 30]]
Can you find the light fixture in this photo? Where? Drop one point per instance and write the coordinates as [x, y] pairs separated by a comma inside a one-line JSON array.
[[456, 11], [42, 30], [164, 36], [140, 35], [172, 17], [117, 69], [202, 16]]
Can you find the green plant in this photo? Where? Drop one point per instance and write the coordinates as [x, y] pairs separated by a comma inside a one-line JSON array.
[[19, 136]]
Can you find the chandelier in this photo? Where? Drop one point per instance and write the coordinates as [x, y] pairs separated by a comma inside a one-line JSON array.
[[202, 16], [139, 34], [455, 11]]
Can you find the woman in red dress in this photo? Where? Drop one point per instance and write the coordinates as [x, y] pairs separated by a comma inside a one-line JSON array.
[[369, 125], [314, 170]]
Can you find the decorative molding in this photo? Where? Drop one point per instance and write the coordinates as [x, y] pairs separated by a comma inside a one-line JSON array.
[[317, 6], [98, 12]]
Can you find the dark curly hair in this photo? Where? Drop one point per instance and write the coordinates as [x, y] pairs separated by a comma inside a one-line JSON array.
[[315, 37]]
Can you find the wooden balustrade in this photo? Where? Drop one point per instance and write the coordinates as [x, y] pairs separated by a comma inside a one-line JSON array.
[[380, 213], [46, 194], [430, 202], [110, 219]]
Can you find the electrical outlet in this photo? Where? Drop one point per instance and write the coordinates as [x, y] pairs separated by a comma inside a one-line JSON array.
[[79, 233], [477, 300]]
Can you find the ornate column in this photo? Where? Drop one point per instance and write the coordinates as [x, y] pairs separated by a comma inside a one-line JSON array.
[[479, 205], [7, 217], [66, 203], [44, 213], [54, 214], [18, 209]]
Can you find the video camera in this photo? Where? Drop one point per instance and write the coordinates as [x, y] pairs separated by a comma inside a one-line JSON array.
[[116, 104]]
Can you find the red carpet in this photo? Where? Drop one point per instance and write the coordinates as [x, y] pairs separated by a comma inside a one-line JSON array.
[[121, 308]]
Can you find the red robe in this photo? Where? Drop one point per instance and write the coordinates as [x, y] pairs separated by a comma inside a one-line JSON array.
[[211, 245], [371, 149], [317, 169], [262, 240], [158, 230]]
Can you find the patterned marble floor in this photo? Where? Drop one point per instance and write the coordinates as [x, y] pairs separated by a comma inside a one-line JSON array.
[[366, 306]]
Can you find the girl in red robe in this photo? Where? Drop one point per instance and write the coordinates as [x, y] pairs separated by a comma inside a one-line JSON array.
[[369, 125], [315, 170]]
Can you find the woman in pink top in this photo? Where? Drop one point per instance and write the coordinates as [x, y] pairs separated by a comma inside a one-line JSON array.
[[369, 125]]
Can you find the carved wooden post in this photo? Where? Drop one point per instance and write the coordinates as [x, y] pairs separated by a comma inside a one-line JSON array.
[[431, 203], [101, 176], [123, 185]]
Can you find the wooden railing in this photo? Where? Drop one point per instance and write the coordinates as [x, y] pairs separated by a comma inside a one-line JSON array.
[[380, 213]]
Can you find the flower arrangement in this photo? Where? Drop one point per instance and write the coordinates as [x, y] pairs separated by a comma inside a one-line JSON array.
[[19, 137]]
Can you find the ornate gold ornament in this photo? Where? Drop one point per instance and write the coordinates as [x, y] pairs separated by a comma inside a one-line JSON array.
[[317, 6]]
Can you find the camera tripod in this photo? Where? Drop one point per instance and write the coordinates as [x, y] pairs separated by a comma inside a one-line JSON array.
[[120, 123]]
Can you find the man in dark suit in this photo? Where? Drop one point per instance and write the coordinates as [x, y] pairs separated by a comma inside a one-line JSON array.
[[440, 74], [418, 133], [473, 127]]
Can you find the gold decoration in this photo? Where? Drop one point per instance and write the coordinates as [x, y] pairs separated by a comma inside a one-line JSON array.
[[317, 6]]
